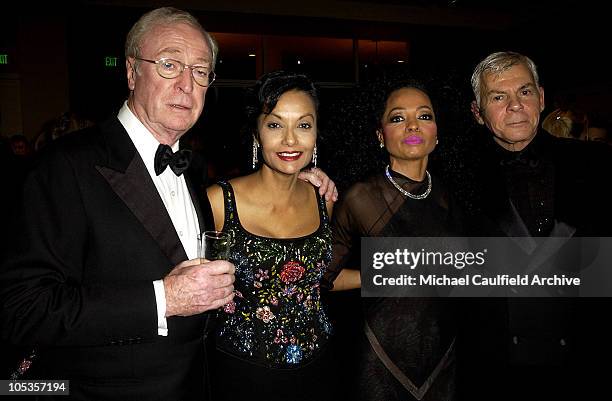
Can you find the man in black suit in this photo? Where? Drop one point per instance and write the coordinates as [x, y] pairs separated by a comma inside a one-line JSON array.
[[531, 184], [104, 278]]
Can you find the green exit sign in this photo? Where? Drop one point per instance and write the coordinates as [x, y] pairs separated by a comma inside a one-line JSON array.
[[110, 61], [3, 58]]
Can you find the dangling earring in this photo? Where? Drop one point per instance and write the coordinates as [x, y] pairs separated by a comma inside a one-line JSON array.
[[436, 141], [381, 138], [255, 146], [314, 156]]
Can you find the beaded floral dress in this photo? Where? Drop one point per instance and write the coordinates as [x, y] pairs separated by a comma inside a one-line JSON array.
[[276, 320]]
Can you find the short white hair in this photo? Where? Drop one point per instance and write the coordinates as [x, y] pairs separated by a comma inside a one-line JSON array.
[[165, 16], [499, 62]]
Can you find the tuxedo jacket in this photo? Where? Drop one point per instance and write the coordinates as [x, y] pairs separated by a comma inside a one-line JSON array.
[[78, 284], [564, 181], [564, 185]]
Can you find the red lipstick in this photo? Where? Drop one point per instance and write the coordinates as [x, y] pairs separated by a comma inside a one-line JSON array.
[[289, 156]]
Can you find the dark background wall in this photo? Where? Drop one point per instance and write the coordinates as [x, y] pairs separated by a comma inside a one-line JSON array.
[[57, 55]]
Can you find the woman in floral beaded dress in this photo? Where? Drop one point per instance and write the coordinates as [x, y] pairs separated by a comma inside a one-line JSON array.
[[271, 340]]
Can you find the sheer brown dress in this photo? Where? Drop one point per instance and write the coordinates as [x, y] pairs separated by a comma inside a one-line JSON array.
[[416, 334]]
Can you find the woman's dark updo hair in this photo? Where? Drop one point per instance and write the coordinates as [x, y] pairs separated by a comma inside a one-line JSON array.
[[351, 130], [263, 96], [381, 95]]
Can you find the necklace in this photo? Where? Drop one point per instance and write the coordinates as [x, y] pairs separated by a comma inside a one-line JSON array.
[[406, 193]]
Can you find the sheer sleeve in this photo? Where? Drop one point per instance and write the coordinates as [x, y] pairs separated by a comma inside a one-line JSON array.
[[375, 208], [342, 240], [350, 222]]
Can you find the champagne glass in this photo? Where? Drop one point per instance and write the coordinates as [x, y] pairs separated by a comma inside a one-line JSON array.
[[214, 245]]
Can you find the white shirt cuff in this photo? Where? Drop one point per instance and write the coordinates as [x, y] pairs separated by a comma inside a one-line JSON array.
[[160, 300]]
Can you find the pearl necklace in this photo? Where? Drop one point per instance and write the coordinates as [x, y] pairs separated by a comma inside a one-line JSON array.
[[406, 193]]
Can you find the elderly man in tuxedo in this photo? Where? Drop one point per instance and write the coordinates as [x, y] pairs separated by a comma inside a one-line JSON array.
[[104, 279], [532, 185]]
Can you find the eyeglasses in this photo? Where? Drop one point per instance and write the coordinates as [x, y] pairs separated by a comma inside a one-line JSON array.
[[169, 68]]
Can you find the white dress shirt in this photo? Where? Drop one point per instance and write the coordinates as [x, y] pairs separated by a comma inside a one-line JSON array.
[[173, 192]]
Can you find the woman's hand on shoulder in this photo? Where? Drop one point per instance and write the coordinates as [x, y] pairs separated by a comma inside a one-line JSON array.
[[318, 178]]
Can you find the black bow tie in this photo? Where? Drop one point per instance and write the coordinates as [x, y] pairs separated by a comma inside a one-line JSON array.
[[165, 157]]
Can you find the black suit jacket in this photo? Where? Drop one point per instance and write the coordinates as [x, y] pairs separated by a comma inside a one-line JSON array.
[[539, 348], [93, 236]]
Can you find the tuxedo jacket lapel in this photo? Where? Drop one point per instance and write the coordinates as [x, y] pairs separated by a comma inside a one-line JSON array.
[[194, 190], [128, 177], [195, 177]]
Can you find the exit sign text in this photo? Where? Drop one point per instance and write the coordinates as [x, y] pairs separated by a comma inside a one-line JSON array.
[[110, 61]]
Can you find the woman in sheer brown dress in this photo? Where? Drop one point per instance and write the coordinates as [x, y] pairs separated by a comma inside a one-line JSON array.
[[406, 348]]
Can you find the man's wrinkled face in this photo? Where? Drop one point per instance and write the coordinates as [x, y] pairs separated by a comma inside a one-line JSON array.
[[168, 107], [511, 104]]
